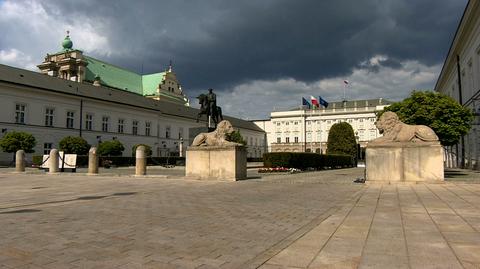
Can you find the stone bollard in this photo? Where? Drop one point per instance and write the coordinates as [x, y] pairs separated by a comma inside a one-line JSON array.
[[53, 161], [92, 161], [140, 162], [20, 161], [180, 148]]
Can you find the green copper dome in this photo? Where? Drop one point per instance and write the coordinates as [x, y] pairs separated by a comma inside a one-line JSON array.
[[67, 44]]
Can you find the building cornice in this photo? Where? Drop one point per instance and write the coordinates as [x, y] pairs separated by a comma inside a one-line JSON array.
[[454, 49]]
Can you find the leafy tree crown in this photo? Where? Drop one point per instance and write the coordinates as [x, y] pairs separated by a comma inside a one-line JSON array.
[[110, 148], [341, 140], [74, 145], [13, 141], [148, 149], [443, 114], [236, 137]]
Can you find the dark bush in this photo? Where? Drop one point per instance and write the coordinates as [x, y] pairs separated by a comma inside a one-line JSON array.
[[130, 161], [303, 160], [13, 141], [236, 137], [82, 160], [148, 150], [37, 159], [110, 148], [341, 140], [74, 145]]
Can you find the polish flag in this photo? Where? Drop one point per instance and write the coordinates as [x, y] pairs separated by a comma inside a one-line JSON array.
[[314, 101]]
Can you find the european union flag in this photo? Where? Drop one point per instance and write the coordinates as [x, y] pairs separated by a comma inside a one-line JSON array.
[[322, 102], [306, 103]]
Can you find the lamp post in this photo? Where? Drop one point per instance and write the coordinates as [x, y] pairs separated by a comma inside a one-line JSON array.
[[357, 141]]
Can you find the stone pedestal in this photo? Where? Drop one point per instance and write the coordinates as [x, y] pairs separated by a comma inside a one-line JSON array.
[[217, 162], [406, 161]]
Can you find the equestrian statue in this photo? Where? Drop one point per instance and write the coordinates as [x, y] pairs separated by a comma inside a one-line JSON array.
[[208, 107]]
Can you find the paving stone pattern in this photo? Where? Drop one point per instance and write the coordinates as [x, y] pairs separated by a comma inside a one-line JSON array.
[[394, 226], [306, 220], [75, 221]]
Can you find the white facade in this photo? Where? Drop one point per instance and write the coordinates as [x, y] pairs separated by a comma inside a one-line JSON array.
[[98, 114], [460, 79], [307, 130]]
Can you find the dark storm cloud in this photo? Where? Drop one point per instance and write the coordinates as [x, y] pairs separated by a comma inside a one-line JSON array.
[[223, 43]]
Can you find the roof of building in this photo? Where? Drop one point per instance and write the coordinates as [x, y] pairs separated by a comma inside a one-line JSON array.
[[353, 104], [38, 81], [123, 79], [451, 54], [150, 83]]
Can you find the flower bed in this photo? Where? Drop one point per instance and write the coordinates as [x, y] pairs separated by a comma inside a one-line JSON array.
[[278, 170]]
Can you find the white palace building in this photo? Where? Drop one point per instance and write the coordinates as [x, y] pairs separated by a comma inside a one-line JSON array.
[[460, 79], [306, 130], [77, 95]]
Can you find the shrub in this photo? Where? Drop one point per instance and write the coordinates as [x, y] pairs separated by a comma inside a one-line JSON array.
[[148, 150], [341, 140], [130, 161], [74, 145], [303, 160], [13, 141], [236, 137], [110, 148], [37, 159]]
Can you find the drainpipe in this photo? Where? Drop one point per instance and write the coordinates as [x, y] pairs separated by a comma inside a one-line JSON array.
[[462, 161], [81, 118]]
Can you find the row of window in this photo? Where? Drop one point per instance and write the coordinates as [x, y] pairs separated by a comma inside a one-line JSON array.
[[309, 122], [360, 135], [254, 141], [20, 111]]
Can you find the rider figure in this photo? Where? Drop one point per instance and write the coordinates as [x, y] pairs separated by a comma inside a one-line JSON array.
[[212, 102]]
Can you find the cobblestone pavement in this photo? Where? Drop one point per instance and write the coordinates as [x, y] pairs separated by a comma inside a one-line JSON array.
[[109, 221]]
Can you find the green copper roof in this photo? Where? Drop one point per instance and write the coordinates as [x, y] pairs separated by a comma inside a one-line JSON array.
[[150, 83], [113, 76], [119, 78]]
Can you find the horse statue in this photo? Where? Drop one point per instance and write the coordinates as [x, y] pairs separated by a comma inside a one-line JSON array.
[[216, 114]]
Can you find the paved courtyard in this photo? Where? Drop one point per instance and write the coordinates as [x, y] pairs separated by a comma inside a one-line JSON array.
[[307, 220]]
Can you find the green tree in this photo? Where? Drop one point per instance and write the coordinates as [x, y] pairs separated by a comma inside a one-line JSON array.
[[236, 137], [74, 145], [443, 114], [148, 149], [110, 148], [341, 140], [13, 141]]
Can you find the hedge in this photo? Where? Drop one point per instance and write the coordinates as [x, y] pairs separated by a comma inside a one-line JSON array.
[[303, 160], [82, 161]]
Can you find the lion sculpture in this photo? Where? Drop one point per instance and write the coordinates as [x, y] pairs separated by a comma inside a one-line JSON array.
[[396, 131], [217, 137]]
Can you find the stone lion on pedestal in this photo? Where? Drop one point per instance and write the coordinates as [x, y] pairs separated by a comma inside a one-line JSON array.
[[217, 137], [396, 131]]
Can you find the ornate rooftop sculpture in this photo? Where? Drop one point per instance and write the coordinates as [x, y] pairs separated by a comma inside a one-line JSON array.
[[396, 131]]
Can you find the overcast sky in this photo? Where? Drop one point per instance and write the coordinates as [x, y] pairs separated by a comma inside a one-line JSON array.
[[258, 55]]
